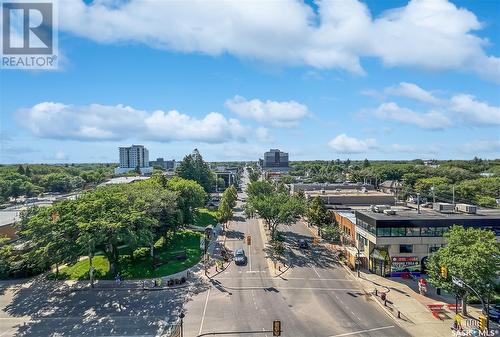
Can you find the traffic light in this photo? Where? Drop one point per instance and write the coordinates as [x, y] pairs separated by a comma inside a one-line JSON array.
[[276, 328], [482, 322], [444, 272], [249, 240]]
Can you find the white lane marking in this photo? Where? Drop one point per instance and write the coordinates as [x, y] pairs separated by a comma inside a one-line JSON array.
[[291, 288], [204, 312], [319, 276], [363, 331]]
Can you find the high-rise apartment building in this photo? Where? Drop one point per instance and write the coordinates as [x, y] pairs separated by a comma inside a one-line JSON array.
[[133, 157]]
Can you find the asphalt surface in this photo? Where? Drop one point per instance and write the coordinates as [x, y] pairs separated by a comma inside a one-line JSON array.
[[316, 297]]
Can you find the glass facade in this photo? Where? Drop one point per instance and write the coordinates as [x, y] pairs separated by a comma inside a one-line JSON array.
[[365, 225], [412, 231]]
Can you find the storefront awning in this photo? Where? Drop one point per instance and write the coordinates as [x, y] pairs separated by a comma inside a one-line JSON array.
[[353, 251]]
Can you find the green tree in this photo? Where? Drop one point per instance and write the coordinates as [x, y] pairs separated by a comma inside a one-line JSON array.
[[254, 175], [190, 196], [225, 211], [259, 188], [5, 258], [317, 214], [20, 170], [194, 168], [470, 254], [52, 233], [277, 209]]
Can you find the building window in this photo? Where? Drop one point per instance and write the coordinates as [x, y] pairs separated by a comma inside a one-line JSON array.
[[383, 232], [398, 231], [406, 248], [434, 231], [412, 231]]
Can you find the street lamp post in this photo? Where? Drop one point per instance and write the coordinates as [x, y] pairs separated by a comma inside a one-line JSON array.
[[460, 283], [181, 316], [357, 262], [206, 250]]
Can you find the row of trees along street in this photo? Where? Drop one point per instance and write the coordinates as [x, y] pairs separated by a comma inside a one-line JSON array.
[[274, 204]]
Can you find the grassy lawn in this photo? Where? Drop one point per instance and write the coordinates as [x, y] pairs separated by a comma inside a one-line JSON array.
[[140, 267], [204, 217]]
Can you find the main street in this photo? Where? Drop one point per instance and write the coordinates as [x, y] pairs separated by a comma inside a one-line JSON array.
[[315, 297]]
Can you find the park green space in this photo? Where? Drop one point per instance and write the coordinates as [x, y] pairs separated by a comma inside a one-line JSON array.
[[140, 267], [204, 217]]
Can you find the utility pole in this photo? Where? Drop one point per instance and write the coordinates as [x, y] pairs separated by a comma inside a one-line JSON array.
[[433, 194], [453, 189], [418, 203]]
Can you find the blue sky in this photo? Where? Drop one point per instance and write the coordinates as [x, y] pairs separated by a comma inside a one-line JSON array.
[[338, 79]]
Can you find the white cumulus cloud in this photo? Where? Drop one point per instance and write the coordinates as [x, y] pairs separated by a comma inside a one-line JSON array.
[[345, 144], [105, 122], [263, 135], [269, 113], [430, 34], [432, 120], [482, 146], [474, 111], [413, 91]]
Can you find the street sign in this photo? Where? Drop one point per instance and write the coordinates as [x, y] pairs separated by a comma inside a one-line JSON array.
[[276, 328], [458, 282]]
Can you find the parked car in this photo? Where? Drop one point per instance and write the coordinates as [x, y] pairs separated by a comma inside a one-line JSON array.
[[303, 244], [494, 313], [240, 257]]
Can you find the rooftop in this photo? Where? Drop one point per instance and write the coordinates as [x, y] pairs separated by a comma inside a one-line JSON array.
[[346, 192], [409, 213], [123, 180]]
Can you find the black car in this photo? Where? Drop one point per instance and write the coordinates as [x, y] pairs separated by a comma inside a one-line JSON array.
[[239, 257], [303, 244]]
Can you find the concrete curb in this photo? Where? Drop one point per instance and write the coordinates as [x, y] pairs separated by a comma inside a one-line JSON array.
[[389, 313], [270, 263]]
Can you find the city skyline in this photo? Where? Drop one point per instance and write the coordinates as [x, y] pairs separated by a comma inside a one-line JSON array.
[[433, 93]]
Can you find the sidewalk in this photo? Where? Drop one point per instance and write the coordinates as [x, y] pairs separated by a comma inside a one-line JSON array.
[[402, 298]]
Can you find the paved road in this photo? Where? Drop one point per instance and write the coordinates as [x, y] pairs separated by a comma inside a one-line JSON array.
[[316, 297]]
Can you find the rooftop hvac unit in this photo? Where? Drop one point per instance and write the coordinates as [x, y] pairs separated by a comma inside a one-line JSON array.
[[389, 212], [465, 208], [443, 207], [381, 208]]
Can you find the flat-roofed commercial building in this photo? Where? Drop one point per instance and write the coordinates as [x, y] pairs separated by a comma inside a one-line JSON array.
[[164, 164], [349, 197], [401, 239], [298, 187]]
